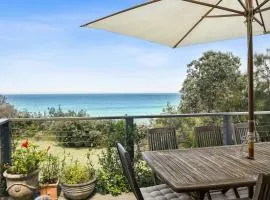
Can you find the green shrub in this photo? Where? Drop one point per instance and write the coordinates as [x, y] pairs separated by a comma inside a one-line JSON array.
[[114, 130], [75, 172], [77, 134], [144, 175], [89, 133], [26, 159], [50, 170], [111, 179]]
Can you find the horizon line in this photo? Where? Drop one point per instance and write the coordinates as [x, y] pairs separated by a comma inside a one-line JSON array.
[[70, 93]]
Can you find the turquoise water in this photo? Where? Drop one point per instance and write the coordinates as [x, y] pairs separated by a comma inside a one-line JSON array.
[[96, 104]]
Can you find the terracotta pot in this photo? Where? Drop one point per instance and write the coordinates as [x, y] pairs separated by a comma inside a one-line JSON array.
[[50, 190], [22, 186], [78, 191]]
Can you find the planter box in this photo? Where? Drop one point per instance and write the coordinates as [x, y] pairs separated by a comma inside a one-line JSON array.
[[78, 191], [50, 190], [22, 186]]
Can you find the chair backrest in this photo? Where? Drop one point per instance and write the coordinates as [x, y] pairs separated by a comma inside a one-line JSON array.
[[128, 171], [241, 132], [207, 136], [162, 139], [262, 191]]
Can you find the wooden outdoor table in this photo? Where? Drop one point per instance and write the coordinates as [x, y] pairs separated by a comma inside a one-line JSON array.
[[204, 169]]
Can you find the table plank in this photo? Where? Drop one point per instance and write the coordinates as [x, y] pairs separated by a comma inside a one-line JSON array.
[[209, 168]]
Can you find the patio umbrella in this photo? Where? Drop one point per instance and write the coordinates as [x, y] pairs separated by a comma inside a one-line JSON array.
[[179, 23]]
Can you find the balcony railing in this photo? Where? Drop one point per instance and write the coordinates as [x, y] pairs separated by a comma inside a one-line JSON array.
[[10, 129]]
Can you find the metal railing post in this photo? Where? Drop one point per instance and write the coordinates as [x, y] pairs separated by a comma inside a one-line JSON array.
[[130, 136], [227, 130], [5, 151]]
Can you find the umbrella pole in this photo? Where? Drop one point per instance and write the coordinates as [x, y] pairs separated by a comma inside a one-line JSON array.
[[251, 134]]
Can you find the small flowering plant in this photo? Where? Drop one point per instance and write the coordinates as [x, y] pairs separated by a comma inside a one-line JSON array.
[[26, 159]]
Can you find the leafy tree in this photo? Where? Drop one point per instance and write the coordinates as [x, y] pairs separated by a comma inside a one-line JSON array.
[[58, 112], [262, 80], [3, 100], [214, 84], [6, 110]]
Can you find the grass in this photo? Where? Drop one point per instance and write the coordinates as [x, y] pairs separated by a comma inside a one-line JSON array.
[[74, 153]]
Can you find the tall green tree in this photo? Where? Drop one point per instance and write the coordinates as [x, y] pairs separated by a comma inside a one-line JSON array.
[[262, 80], [213, 84]]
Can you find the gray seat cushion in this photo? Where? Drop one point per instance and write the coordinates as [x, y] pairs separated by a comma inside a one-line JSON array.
[[162, 192]]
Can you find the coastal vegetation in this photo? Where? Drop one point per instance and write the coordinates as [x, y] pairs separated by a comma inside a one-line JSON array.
[[6, 110], [214, 83]]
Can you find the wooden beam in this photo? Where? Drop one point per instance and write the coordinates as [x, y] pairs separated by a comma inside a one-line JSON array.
[[215, 6], [251, 128]]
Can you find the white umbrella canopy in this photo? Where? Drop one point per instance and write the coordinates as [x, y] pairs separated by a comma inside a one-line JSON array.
[[173, 22], [179, 23]]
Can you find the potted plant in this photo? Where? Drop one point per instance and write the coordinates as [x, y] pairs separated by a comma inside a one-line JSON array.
[[77, 179], [22, 174], [49, 176]]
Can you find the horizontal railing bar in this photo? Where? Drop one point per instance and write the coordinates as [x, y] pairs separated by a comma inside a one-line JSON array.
[[3, 121], [138, 116]]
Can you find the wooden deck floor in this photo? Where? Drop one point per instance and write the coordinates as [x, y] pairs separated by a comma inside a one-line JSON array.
[[243, 192], [129, 196]]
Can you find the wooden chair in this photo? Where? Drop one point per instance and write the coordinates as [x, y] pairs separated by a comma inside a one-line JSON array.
[[240, 133], [206, 136], [149, 193], [162, 139], [262, 191]]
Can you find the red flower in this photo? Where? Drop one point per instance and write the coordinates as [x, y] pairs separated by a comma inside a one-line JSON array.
[[25, 144]]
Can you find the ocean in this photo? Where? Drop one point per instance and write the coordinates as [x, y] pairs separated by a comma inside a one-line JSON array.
[[96, 104]]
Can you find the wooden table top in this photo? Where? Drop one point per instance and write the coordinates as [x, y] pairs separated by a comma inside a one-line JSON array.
[[202, 169]]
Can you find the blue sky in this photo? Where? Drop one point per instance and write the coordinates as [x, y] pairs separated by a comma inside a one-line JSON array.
[[43, 50]]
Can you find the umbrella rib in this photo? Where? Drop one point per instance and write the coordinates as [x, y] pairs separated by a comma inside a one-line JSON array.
[[215, 6], [259, 6], [122, 11], [243, 5], [258, 21], [265, 9], [218, 16], [263, 24], [195, 25]]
